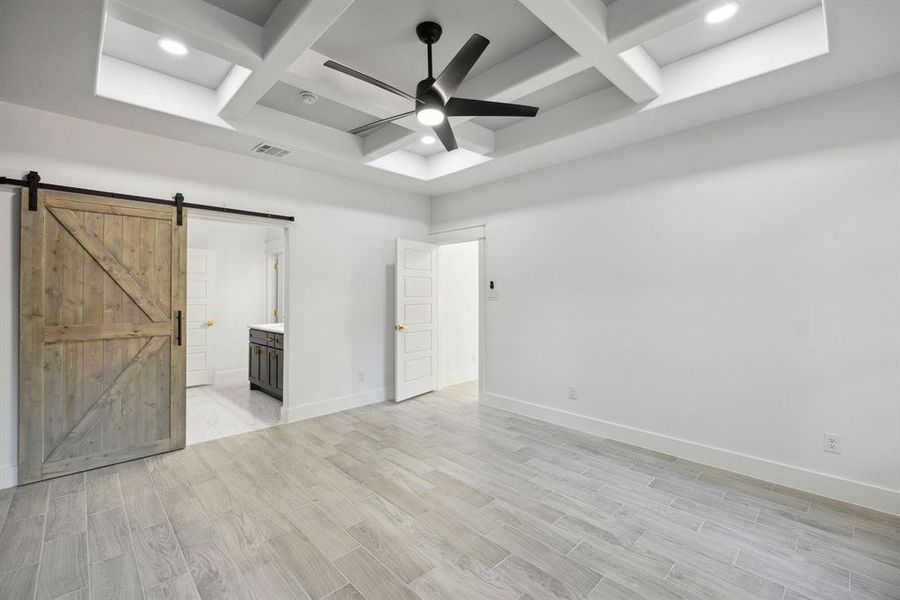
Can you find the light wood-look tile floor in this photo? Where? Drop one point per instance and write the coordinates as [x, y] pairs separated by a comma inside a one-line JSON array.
[[435, 498]]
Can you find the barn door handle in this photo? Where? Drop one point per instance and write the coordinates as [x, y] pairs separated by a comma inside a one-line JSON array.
[[178, 318]]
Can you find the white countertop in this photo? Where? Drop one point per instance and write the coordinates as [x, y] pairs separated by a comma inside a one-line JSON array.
[[272, 327]]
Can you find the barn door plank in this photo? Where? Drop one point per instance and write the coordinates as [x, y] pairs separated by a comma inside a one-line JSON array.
[[31, 331]]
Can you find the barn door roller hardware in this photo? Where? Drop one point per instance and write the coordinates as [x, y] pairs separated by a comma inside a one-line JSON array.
[[32, 181]]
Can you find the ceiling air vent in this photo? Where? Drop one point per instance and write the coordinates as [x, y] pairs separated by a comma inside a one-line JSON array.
[[270, 150]]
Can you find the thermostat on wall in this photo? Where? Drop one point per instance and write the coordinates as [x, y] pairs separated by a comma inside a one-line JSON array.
[[492, 294]]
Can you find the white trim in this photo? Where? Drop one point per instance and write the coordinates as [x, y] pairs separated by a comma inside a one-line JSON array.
[[846, 490], [457, 235], [334, 405], [230, 376], [9, 476], [275, 246], [455, 378]]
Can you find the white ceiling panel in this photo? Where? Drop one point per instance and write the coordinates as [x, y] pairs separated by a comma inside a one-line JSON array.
[[378, 37], [286, 98], [140, 47], [255, 11], [698, 35], [562, 92]]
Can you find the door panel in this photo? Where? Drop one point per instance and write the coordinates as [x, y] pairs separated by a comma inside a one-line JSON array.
[[101, 376], [201, 283], [416, 297]]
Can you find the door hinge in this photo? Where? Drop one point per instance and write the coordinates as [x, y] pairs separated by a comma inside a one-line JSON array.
[[275, 266], [275, 312]]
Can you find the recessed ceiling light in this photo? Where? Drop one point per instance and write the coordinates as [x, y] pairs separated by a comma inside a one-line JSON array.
[[723, 13], [428, 139], [173, 46]]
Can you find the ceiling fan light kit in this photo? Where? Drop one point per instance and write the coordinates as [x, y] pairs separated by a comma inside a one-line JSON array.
[[434, 100]]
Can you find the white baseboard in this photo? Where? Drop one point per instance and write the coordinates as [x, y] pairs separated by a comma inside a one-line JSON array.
[[230, 376], [9, 476], [846, 490], [454, 378], [333, 405]]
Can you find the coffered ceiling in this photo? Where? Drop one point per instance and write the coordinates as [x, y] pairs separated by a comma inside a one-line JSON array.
[[604, 74]]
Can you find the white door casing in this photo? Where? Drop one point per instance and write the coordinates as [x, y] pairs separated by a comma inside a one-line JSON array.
[[201, 283], [415, 339]]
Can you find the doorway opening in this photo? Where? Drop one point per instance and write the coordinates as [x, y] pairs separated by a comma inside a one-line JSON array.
[[458, 318], [439, 326], [234, 326]]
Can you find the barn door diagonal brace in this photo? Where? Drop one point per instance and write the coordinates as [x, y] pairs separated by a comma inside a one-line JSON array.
[[33, 180]]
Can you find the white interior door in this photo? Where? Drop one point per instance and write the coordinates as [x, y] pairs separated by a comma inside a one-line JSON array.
[[201, 284], [416, 311]]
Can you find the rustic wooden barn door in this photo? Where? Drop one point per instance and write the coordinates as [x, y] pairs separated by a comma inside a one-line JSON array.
[[101, 363]]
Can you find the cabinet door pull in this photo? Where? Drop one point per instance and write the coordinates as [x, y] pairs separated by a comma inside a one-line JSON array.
[[178, 318]]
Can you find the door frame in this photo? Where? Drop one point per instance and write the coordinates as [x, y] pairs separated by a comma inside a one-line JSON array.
[[470, 233], [287, 401]]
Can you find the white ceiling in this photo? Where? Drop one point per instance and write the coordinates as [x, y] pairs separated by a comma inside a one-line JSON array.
[[140, 47], [255, 11], [603, 76], [566, 90], [696, 36], [378, 37], [286, 98]]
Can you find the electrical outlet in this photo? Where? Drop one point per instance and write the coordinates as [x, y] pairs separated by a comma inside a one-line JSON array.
[[573, 393], [831, 443], [361, 376]]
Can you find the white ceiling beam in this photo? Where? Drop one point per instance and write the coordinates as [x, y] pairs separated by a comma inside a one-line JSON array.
[[583, 26], [538, 67], [630, 24], [198, 25], [292, 28]]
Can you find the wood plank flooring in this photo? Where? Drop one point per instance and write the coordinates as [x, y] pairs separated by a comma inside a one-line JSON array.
[[435, 498]]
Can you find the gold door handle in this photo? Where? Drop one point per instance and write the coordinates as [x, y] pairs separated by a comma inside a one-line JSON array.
[[399, 327], [209, 323]]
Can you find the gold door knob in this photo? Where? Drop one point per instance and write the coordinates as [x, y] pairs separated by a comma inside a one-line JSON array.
[[399, 327], [209, 323]]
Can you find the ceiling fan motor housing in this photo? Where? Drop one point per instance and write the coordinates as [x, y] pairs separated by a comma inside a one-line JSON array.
[[429, 32]]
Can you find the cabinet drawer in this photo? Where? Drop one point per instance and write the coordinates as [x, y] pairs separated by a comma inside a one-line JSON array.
[[257, 336], [279, 340]]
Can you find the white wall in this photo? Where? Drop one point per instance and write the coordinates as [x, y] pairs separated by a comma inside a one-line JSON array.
[[458, 312], [239, 298], [728, 293], [340, 250]]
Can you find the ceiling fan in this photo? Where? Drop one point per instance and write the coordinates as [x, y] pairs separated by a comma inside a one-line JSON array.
[[434, 100]]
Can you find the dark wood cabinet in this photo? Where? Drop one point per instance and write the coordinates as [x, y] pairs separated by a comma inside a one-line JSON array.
[[266, 367]]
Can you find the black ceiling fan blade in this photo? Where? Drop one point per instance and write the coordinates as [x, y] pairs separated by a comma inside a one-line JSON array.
[[445, 134], [379, 123], [454, 73], [465, 107], [363, 77]]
